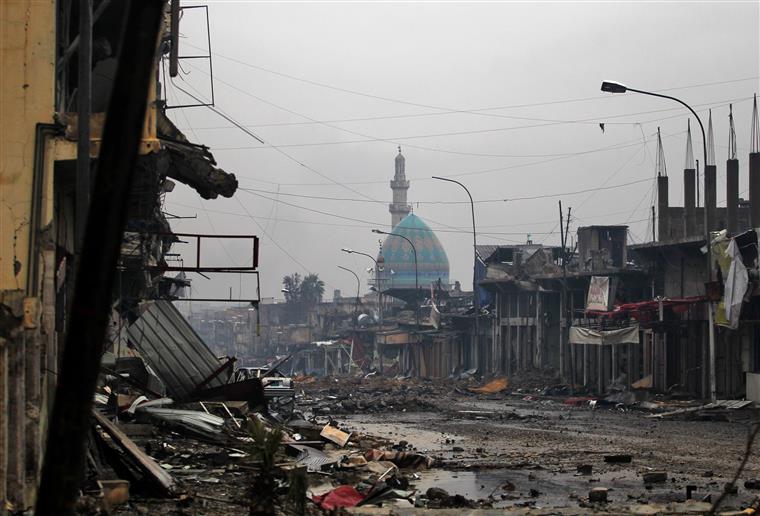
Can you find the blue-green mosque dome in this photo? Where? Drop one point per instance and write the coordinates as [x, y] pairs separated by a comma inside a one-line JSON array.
[[432, 262]]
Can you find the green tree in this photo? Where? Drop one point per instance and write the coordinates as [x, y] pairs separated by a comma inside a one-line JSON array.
[[312, 290], [291, 286], [302, 294]]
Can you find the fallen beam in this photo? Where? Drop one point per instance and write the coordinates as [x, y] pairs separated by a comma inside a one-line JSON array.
[[147, 465]]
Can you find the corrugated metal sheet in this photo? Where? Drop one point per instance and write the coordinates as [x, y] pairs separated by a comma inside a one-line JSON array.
[[486, 250], [171, 347]]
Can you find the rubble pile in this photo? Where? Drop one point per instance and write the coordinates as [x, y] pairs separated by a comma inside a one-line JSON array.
[[188, 432], [348, 395]]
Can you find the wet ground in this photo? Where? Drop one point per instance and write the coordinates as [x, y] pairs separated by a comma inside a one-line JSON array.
[[526, 454]]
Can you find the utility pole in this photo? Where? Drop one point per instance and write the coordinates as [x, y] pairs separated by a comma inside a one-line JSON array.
[[564, 227], [562, 299]]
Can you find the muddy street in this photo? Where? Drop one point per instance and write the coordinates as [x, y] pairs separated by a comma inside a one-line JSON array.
[[518, 451]]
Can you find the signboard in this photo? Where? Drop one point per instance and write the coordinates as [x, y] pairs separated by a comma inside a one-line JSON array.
[[598, 294]]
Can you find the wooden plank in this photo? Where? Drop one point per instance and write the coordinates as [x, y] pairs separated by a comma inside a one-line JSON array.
[[148, 465]]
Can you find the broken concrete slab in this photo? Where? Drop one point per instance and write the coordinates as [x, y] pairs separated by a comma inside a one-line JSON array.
[[335, 435], [598, 495], [653, 477], [618, 459]]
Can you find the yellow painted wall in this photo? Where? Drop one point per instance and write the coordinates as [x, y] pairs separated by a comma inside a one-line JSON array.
[[27, 78]]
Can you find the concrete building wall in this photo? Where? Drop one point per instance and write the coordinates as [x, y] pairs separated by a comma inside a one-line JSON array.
[[27, 56]]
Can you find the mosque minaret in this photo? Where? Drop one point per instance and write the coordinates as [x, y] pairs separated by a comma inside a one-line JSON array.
[[399, 208]]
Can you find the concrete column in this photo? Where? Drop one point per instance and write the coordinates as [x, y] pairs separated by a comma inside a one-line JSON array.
[[562, 340], [732, 195], [539, 330], [689, 203], [32, 366], [4, 420], [16, 473], [754, 188], [519, 333], [711, 196], [508, 301], [663, 232]]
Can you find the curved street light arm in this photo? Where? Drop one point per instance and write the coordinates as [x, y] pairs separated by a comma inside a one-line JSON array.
[[475, 296], [416, 272], [684, 104]]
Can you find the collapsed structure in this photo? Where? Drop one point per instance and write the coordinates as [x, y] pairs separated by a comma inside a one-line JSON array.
[[60, 61]]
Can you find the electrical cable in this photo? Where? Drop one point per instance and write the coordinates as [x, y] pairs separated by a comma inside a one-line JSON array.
[[396, 141], [293, 159], [479, 201], [439, 108]]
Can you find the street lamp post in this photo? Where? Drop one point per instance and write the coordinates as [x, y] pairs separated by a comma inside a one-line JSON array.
[[377, 279], [475, 296], [416, 286], [616, 87], [356, 303], [416, 273]]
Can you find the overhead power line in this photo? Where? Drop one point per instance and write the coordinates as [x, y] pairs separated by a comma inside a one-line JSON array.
[[479, 111], [479, 201], [290, 157], [381, 224], [397, 140]]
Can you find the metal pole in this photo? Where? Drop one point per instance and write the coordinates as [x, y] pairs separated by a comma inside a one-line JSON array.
[[84, 99], [358, 287], [416, 280], [377, 279], [416, 273], [711, 327], [475, 296]]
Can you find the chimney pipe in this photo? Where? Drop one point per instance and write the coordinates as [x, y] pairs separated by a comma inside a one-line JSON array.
[[663, 232], [689, 203]]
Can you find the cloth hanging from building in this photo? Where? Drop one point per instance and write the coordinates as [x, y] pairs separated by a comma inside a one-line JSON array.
[[735, 287], [598, 297], [435, 316], [580, 335]]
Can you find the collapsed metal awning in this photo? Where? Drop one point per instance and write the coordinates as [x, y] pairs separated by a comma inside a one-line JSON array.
[[171, 347]]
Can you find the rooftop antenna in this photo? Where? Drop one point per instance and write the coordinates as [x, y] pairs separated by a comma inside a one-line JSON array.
[[731, 133], [710, 142], [755, 132], [661, 168], [689, 162]]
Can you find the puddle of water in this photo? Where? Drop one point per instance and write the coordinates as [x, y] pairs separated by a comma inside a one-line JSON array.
[[554, 489]]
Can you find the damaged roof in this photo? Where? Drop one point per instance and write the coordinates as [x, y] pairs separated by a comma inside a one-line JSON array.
[[174, 350]]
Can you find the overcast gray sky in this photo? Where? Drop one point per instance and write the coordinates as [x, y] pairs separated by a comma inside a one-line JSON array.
[[295, 73]]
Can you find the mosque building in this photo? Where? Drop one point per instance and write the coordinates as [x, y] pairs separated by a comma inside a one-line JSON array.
[[396, 253]]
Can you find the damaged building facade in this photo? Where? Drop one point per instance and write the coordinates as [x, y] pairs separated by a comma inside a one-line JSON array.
[[619, 316], [59, 66], [605, 314]]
